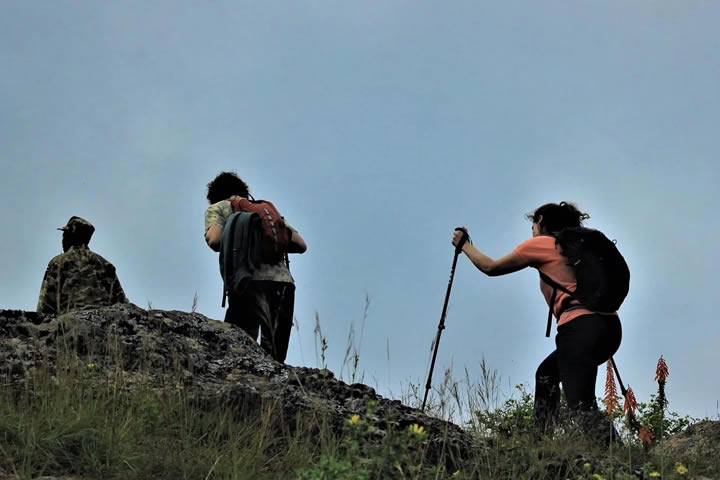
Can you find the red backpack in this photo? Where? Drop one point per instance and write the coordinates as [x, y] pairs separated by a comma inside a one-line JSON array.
[[275, 237]]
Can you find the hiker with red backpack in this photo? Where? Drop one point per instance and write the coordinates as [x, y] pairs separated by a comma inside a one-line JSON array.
[[584, 279], [253, 240]]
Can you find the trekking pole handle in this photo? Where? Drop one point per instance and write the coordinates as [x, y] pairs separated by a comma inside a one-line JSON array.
[[465, 237]]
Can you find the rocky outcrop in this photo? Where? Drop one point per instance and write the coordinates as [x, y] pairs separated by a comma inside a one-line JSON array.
[[214, 361], [699, 439]]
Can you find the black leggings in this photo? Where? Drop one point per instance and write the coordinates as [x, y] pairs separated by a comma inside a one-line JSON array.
[[582, 344]]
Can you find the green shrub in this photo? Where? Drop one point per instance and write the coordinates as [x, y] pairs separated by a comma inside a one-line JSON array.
[[365, 453]]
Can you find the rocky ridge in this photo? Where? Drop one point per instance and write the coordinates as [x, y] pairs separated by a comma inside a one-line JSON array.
[[220, 366], [217, 363]]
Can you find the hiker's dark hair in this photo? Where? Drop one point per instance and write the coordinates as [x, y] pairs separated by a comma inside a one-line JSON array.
[[224, 186], [553, 217]]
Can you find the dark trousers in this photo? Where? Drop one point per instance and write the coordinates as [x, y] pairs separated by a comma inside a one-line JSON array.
[[265, 307], [582, 344]]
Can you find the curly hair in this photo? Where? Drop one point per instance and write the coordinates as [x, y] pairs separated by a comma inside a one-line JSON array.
[[553, 217], [224, 186]]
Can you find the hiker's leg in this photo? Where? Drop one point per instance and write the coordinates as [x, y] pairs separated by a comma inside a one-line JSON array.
[[610, 339], [284, 306], [582, 345], [277, 321], [245, 309], [609, 344], [547, 393], [262, 312]]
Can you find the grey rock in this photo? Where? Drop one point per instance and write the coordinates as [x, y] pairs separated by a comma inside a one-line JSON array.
[[701, 438], [219, 366]]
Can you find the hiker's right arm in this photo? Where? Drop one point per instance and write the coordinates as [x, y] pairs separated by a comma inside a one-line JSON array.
[[213, 237], [512, 262], [297, 243]]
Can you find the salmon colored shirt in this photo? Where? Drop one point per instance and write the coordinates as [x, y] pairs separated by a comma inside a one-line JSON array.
[[540, 253]]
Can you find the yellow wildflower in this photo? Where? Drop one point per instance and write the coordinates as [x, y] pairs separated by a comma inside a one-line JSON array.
[[354, 419], [655, 474], [456, 474], [417, 429], [597, 476], [681, 469], [90, 366]]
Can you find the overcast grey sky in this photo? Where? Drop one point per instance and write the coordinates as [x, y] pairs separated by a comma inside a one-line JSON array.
[[376, 127]]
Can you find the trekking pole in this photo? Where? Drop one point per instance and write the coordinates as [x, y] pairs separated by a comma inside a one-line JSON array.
[[617, 374], [441, 326]]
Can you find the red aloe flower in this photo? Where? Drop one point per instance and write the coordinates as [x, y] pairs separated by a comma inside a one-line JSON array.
[[645, 435], [660, 404], [630, 401], [661, 372], [611, 399]]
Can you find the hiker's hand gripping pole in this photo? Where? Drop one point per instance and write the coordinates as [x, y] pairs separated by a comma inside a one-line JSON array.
[[458, 248]]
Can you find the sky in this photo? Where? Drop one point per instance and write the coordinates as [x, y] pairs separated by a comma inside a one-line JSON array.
[[376, 128]]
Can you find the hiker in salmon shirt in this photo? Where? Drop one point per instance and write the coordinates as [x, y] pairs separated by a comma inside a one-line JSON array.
[[585, 339]]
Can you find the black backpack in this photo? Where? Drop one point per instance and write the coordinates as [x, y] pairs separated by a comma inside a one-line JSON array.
[[603, 277], [240, 253]]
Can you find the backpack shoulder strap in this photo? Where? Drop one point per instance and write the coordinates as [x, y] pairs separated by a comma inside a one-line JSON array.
[[556, 286], [545, 278]]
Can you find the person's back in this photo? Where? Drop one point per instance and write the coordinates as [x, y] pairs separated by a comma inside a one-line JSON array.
[[78, 278], [217, 214], [265, 303]]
